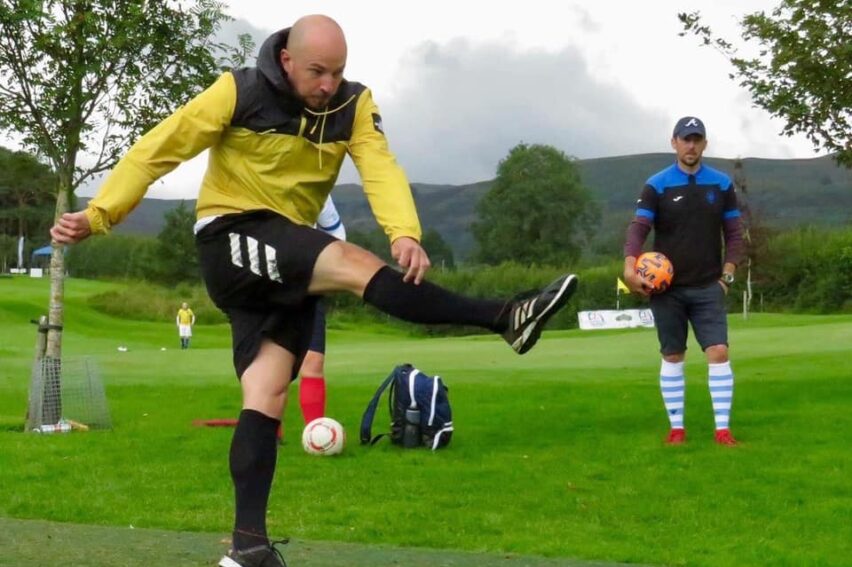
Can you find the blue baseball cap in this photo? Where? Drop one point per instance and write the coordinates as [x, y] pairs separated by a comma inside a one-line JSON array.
[[689, 125]]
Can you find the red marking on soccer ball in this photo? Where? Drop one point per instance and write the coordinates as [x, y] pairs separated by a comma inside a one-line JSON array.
[[657, 269]]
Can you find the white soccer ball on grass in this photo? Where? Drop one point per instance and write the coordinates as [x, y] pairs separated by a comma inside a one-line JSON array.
[[324, 437]]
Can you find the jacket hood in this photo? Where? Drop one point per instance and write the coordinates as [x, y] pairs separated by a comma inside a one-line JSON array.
[[268, 61]]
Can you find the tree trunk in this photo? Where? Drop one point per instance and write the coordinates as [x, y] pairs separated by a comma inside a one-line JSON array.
[[51, 364], [57, 281]]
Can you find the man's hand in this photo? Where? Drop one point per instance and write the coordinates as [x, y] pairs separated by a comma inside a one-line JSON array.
[[636, 283], [71, 228], [411, 257]]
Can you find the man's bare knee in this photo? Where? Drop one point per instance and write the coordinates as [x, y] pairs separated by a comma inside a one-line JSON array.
[[343, 266], [717, 354], [314, 364]]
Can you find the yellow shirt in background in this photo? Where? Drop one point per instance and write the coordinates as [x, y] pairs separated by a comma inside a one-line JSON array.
[[185, 317]]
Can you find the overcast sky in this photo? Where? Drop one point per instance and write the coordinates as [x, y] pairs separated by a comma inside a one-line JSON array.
[[460, 83]]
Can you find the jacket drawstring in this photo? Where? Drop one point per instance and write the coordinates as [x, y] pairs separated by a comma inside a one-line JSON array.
[[324, 115]]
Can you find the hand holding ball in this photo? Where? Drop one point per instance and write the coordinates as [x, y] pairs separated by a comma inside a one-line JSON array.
[[657, 269]]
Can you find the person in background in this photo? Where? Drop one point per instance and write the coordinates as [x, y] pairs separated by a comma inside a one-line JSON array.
[[185, 320], [692, 208]]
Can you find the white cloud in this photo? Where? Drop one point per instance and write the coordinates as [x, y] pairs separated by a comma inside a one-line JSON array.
[[461, 106]]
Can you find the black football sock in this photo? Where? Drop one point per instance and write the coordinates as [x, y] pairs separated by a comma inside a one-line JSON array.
[[429, 304], [253, 454]]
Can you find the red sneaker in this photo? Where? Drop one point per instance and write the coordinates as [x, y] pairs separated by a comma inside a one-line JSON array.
[[724, 437], [676, 437]]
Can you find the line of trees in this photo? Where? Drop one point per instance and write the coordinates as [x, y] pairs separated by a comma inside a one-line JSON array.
[[169, 259], [26, 204], [804, 270]]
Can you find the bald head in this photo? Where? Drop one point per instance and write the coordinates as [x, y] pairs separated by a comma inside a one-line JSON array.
[[314, 59], [316, 33]]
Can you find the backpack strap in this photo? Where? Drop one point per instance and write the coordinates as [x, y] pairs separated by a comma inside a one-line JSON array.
[[370, 413], [412, 381]]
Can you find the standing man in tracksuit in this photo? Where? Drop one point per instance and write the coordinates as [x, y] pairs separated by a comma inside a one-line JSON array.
[[692, 208]]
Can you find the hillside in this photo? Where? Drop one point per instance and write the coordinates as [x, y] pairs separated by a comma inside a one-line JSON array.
[[782, 192]]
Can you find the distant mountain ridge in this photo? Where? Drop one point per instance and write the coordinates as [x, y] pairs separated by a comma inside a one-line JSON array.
[[782, 192]]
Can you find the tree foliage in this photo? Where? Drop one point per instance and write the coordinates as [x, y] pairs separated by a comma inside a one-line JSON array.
[[376, 241], [808, 270], [117, 257], [440, 253], [177, 257], [803, 69], [536, 212], [87, 77], [26, 195]]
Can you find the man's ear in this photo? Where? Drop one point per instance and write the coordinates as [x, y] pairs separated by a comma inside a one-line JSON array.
[[674, 143], [285, 59]]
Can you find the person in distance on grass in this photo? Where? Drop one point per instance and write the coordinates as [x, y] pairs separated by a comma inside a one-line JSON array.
[[691, 208], [185, 320], [277, 135]]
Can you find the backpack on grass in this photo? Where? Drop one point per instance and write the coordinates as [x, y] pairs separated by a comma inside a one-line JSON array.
[[420, 412]]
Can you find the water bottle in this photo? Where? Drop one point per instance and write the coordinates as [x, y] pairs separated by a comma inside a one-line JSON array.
[[61, 427], [411, 433]]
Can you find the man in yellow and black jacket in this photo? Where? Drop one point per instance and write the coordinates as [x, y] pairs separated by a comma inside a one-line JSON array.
[[277, 135], [270, 149]]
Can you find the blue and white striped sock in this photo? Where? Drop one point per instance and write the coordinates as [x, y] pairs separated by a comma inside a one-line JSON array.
[[672, 385], [721, 392]]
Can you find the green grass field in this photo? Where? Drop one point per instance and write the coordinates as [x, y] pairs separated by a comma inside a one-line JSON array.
[[557, 455]]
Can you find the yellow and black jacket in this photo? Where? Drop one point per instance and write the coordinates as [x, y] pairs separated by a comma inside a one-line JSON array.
[[267, 151]]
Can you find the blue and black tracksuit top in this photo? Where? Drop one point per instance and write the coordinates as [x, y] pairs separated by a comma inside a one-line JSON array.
[[689, 213]]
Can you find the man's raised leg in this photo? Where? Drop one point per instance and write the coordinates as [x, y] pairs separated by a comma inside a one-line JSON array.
[[342, 266]]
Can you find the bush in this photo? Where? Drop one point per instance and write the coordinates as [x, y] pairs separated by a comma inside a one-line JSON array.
[[807, 270], [118, 256], [151, 302]]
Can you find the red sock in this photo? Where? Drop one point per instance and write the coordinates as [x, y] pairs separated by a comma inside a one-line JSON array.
[[312, 397]]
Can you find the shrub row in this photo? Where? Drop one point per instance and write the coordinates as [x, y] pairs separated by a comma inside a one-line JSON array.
[[804, 271]]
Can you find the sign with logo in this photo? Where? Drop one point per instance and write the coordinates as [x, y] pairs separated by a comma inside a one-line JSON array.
[[615, 319]]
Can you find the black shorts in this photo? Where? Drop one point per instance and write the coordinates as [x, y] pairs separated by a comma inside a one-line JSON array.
[[257, 267], [703, 306]]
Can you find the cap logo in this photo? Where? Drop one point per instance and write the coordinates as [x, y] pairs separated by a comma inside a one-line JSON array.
[[692, 122]]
